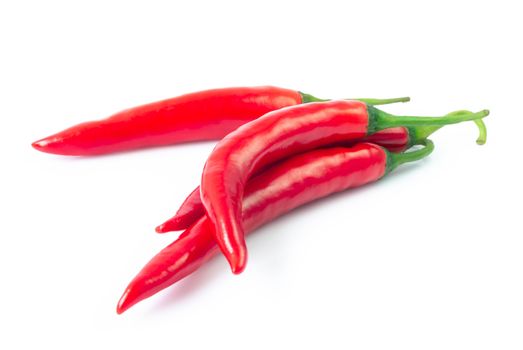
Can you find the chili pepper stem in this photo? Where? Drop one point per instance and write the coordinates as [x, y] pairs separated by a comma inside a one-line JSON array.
[[384, 101], [396, 159], [482, 138], [419, 133], [306, 98], [379, 120]]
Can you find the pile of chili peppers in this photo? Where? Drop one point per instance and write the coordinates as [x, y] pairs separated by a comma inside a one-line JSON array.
[[279, 149]]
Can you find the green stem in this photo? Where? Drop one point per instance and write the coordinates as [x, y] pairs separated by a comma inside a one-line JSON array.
[[306, 98], [419, 133], [383, 101], [396, 159], [379, 120], [482, 138]]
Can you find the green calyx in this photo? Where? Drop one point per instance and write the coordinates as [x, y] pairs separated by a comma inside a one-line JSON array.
[[396, 159], [307, 98]]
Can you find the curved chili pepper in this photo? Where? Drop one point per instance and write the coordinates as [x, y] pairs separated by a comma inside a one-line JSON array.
[[277, 135], [198, 116], [281, 188], [394, 139]]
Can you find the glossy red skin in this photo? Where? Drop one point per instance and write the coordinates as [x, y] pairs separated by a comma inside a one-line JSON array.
[[204, 115], [283, 187], [191, 210], [393, 139], [270, 138]]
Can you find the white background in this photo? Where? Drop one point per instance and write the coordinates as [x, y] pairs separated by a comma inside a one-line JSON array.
[[430, 258]]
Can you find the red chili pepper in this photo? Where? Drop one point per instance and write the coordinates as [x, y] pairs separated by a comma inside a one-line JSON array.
[[279, 189], [204, 115], [393, 139], [273, 137]]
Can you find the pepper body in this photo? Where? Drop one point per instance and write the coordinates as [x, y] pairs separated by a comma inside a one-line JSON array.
[[396, 139], [191, 210], [279, 189], [265, 140], [280, 134], [204, 115]]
